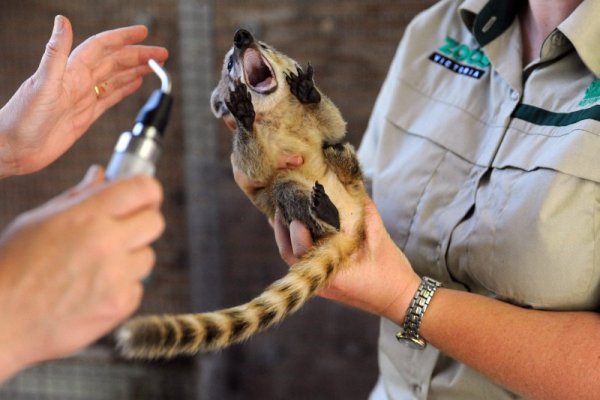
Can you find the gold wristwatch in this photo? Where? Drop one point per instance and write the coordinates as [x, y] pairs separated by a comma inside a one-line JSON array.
[[409, 333]]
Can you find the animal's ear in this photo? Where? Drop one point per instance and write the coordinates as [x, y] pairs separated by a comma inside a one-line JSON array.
[[303, 87]]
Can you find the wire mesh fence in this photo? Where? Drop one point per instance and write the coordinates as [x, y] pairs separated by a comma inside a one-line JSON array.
[[217, 249]]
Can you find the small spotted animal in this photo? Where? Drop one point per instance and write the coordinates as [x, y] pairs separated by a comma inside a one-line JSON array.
[[274, 108]]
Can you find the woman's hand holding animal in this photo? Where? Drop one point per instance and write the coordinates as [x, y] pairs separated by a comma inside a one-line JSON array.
[[379, 278]]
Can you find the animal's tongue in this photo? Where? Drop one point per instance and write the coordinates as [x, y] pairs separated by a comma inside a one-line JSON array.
[[258, 73]]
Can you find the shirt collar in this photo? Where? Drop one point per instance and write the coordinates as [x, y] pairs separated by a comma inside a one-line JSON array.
[[583, 31], [488, 19]]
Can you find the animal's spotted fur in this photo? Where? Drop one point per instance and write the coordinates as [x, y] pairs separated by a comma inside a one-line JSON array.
[[274, 108]]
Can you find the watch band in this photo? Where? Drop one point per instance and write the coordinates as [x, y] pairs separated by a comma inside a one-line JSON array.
[[409, 333]]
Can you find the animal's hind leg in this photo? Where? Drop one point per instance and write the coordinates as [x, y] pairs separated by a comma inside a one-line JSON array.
[[322, 208], [303, 87], [341, 158], [314, 209], [240, 106]]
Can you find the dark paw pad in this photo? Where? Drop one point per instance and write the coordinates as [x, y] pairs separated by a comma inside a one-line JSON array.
[[303, 87], [240, 106], [323, 208]]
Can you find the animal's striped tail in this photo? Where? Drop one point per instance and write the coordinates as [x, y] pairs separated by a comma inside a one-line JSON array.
[[150, 337]]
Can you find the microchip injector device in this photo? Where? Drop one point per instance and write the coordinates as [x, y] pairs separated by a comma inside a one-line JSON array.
[[137, 151]]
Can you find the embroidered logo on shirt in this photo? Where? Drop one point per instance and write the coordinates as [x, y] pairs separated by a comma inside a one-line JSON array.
[[461, 59], [592, 94]]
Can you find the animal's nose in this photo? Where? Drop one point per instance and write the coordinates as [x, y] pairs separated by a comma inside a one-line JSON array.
[[242, 39]]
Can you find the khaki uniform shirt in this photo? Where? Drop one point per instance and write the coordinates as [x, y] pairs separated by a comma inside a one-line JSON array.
[[487, 173]]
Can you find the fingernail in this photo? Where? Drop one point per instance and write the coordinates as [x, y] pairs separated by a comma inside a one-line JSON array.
[[59, 23], [91, 173], [293, 161]]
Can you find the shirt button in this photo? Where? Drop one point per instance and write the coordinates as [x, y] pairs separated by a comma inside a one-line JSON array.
[[557, 39], [417, 389], [514, 95]]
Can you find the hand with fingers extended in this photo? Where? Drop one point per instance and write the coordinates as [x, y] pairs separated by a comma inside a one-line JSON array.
[[68, 92], [71, 270]]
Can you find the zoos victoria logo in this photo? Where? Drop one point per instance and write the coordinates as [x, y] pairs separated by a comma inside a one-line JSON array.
[[461, 59]]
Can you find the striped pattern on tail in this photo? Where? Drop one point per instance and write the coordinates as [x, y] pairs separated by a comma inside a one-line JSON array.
[[150, 337]]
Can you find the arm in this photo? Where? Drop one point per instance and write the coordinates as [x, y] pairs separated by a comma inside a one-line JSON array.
[[57, 104], [71, 269], [539, 354]]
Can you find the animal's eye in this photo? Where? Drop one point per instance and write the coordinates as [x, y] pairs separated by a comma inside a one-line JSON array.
[[230, 64]]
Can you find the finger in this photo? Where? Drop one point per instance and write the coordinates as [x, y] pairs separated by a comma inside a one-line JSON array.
[[300, 238], [248, 186], [104, 43], [94, 175], [141, 263], [127, 302], [128, 58], [134, 56], [287, 161], [373, 218], [126, 196], [141, 228], [282, 238], [54, 61], [92, 179], [114, 95]]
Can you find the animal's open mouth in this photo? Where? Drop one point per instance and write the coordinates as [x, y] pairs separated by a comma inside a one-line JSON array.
[[258, 72]]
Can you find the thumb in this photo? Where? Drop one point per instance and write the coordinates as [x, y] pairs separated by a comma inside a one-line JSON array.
[[93, 176], [57, 50]]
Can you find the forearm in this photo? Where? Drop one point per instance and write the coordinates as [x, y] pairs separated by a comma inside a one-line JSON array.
[[539, 354]]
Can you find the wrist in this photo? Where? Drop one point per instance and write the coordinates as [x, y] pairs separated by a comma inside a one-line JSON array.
[[410, 331], [396, 311]]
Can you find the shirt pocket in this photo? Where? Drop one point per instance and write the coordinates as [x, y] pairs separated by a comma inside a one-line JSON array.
[[535, 237], [423, 163]]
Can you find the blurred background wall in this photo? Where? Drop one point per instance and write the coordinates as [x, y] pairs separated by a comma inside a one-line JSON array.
[[217, 250]]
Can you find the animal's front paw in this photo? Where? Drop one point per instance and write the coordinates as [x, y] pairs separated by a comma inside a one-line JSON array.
[[240, 106], [303, 87], [322, 208]]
